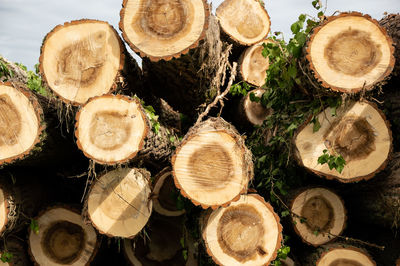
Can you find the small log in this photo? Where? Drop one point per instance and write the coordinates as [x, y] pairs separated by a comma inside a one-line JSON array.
[[16, 73], [323, 212], [163, 30], [253, 65], [338, 254], [359, 132], [350, 52], [165, 194], [247, 232], [246, 28], [63, 238], [212, 166], [119, 203], [21, 123], [85, 58], [251, 112]]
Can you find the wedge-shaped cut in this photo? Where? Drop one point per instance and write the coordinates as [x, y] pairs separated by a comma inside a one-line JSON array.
[[119, 203], [359, 133], [247, 232], [82, 59], [323, 213], [161, 29], [212, 166], [20, 122], [350, 52], [111, 129], [245, 21], [63, 239]]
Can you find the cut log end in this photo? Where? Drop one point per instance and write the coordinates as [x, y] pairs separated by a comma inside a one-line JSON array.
[[246, 28], [323, 213], [119, 204], [246, 233], [87, 62], [63, 238], [345, 256], [163, 30], [255, 112], [111, 129], [20, 122], [350, 52], [212, 166], [254, 65], [359, 133], [166, 194]]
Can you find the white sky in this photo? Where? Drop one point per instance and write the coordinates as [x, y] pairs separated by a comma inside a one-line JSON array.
[[24, 23]]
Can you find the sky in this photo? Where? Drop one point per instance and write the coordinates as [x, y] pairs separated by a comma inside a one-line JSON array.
[[24, 23]]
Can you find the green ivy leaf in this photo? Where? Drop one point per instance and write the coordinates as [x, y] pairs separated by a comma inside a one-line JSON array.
[[6, 257], [34, 225], [316, 125]]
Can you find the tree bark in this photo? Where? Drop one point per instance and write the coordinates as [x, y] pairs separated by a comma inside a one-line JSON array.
[[351, 60], [391, 23], [212, 166], [93, 63], [359, 132], [190, 82], [247, 232]]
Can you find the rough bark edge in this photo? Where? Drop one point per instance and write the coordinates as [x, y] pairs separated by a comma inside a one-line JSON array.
[[6, 207], [85, 212], [167, 57], [166, 170], [72, 209], [348, 247], [301, 190], [77, 22], [355, 90], [220, 125], [357, 178], [237, 42], [41, 126], [270, 208], [119, 97]]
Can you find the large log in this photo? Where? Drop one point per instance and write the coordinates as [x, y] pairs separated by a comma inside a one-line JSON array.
[[21, 123], [247, 232], [350, 52], [119, 203], [212, 166], [113, 129], [161, 29], [62, 238], [86, 58], [359, 132]]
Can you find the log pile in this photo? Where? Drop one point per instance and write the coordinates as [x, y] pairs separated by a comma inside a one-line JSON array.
[[69, 191]]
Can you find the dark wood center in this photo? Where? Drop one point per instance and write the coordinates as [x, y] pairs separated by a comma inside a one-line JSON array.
[[318, 213]]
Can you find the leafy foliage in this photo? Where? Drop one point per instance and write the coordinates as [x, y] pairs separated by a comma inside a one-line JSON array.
[[34, 226], [151, 114], [333, 161], [34, 80], [6, 257], [5, 71]]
